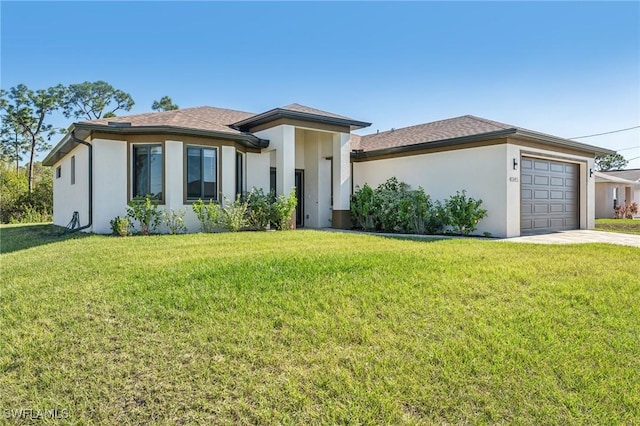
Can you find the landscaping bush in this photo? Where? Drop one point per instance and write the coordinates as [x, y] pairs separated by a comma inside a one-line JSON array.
[[120, 226], [233, 215], [144, 211], [282, 210], [258, 209], [626, 211], [363, 209], [463, 213], [174, 220], [208, 214], [394, 207]]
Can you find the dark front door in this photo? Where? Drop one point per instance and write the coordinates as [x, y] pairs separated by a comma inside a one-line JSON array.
[[300, 197]]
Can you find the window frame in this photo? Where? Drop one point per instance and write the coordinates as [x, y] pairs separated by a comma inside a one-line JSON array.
[[132, 169], [73, 170], [59, 172], [240, 173], [186, 198]]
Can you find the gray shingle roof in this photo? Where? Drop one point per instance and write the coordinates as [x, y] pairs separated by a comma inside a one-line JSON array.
[[631, 174], [309, 110], [201, 118], [466, 125]]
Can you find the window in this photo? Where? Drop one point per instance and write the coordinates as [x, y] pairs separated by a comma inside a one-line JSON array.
[[147, 171], [73, 170], [58, 172], [202, 172], [239, 173], [272, 180]]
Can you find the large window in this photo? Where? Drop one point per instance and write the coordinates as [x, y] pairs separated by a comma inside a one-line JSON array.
[[147, 171], [202, 173]]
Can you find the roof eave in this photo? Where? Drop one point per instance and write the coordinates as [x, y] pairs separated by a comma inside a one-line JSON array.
[[435, 144], [277, 113], [596, 150], [540, 137], [85, 129]]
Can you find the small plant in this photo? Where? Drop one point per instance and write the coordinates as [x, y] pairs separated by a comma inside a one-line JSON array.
[[463, 214], [626, 211], [258, 209], [363, 211], [120, 226], [208, 214], [175, 221], [144, 210], [232, 217], [282, 210]]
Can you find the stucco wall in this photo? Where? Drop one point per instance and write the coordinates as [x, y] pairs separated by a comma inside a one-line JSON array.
[[484, 172], [109, 183], [68, 198], [480, 171]]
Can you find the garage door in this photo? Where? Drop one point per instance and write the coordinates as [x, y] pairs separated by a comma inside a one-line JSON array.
[[549, 196]]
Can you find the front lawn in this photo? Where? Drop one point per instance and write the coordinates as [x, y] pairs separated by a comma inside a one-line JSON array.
[[625, 226], [315, 327]]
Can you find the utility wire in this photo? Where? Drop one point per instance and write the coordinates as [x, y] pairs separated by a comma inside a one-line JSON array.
[[606, 133], [631, 147]]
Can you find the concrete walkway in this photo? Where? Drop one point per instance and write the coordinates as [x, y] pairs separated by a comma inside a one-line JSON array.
[[579, 237], [564, 237]]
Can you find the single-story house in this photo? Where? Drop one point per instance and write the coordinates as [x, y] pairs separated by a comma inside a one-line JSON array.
[[614, 188], [530, 182]]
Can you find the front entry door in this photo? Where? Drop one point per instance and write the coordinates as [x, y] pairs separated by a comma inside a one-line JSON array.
[[300, 197]]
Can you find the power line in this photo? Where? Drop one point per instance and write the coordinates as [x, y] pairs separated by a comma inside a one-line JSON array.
[[606, 133], [631, 147]]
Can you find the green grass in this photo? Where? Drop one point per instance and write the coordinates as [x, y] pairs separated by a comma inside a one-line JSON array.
[[625, 226], [312, 327]]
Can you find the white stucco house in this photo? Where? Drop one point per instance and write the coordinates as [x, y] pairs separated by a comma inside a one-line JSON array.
[[616, 187], [530, 182]]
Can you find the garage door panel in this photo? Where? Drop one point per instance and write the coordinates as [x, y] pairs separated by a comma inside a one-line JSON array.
[[556, 208], [549, 196], [541, 208], [541, 165], [557, 181], [541, 195], [556, 167], [557, 195]]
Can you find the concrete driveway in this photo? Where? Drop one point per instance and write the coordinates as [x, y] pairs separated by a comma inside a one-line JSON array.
[[579, 237]]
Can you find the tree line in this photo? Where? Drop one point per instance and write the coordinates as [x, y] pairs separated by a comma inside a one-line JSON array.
[[26, 130]]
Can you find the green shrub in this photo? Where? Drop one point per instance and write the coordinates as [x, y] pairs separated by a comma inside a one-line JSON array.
[[282, 210], [233, 215], [120, 226], [208, 214], [258, 209], [463, 213], [144, 210], [363, 209], [174, 220], [16, 204]]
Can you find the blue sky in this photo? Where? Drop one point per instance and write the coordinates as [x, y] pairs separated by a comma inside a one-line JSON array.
[[568, 69]]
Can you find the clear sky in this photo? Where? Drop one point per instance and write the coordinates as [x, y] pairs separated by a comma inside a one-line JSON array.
[[568, 69]]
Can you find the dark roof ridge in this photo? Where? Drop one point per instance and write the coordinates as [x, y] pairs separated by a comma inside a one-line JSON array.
[[505, 126], [436, 122]]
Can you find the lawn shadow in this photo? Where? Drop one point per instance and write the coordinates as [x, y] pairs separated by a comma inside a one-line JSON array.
[[24, 236]]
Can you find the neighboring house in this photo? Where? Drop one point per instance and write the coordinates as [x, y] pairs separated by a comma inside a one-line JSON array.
[[616, 187], [530, 182]]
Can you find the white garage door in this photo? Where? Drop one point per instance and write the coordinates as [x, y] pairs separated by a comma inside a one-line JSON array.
[[548, 196]]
